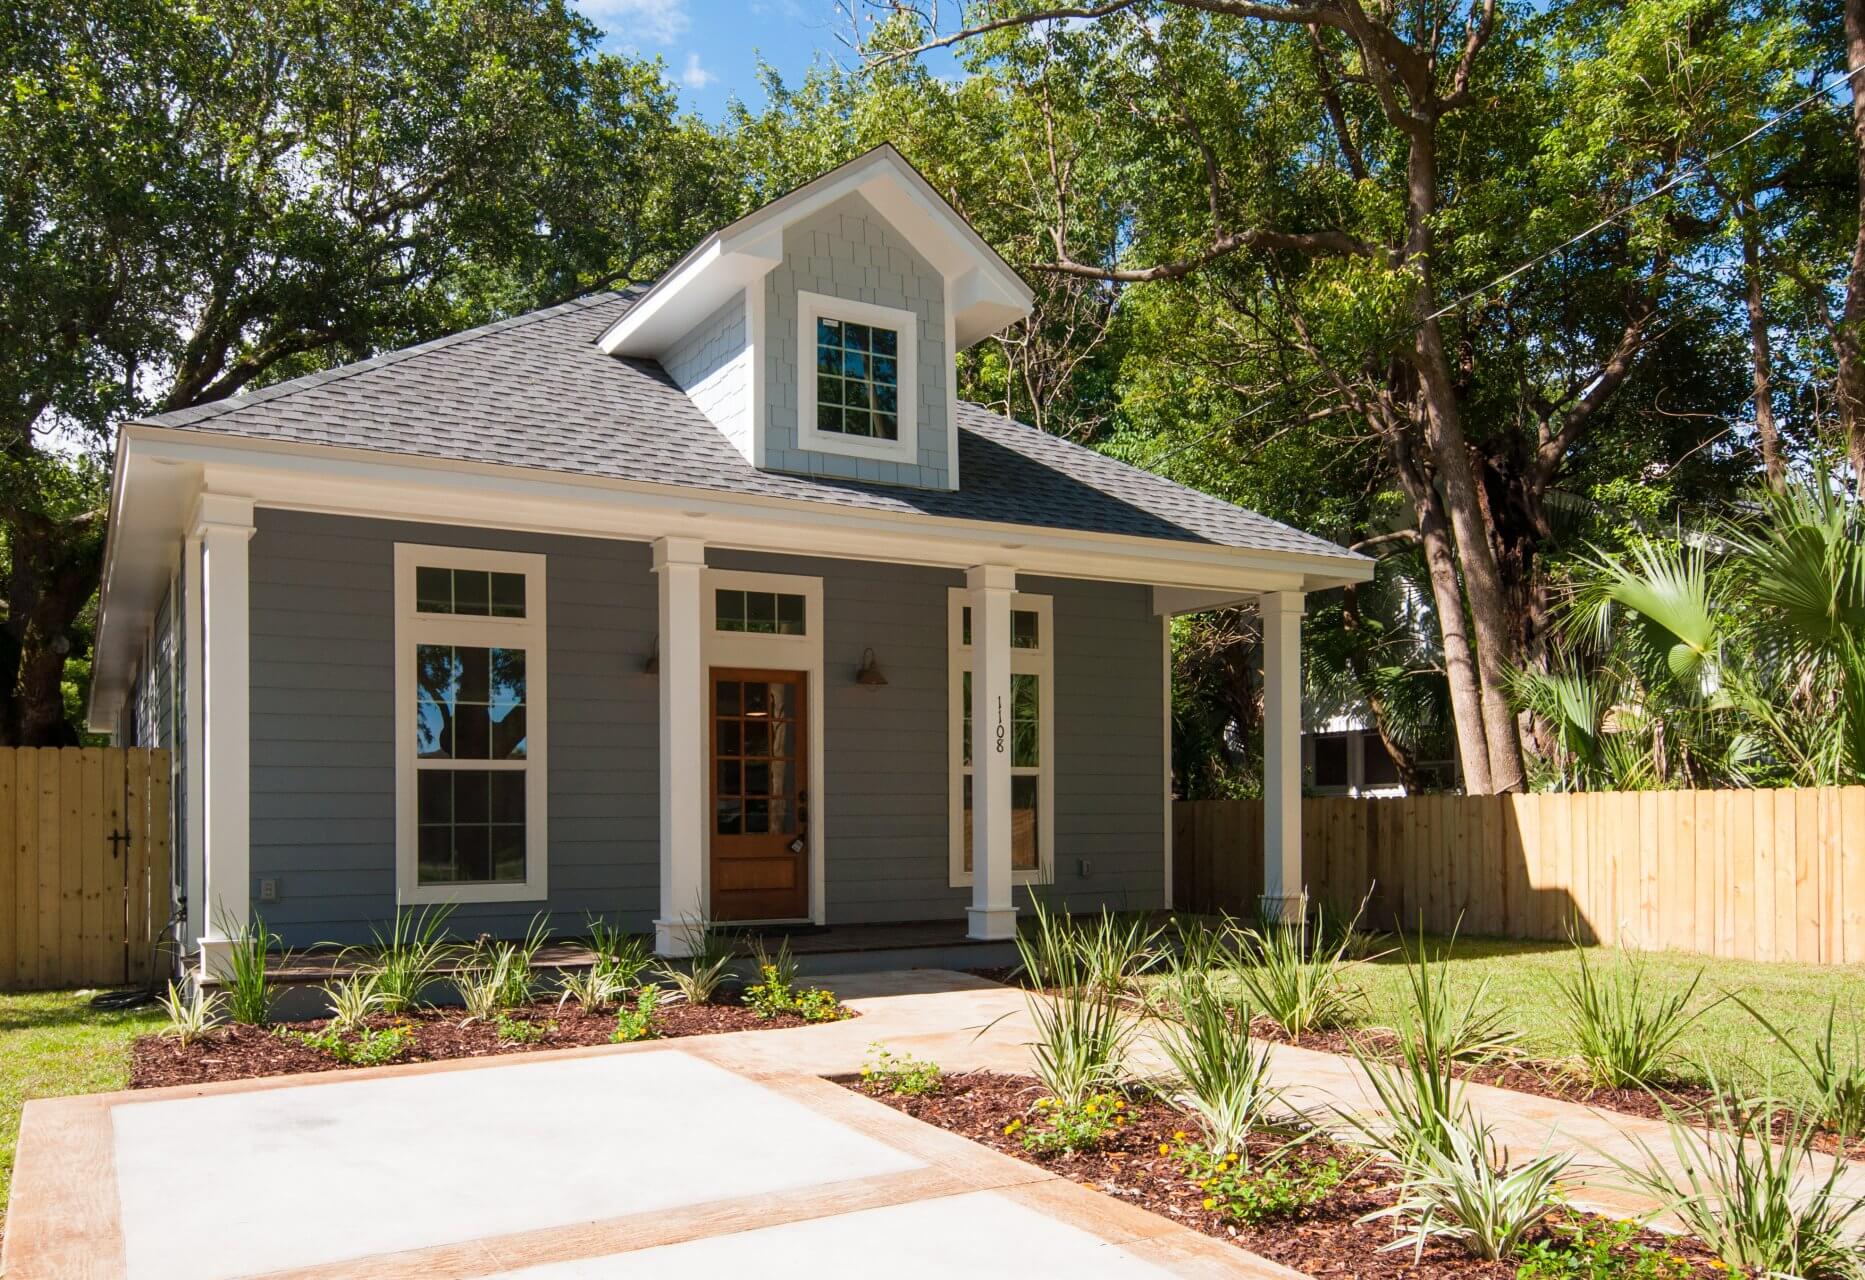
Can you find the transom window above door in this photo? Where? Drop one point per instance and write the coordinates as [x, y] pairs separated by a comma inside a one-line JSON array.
[[469, 725], [761, 613]]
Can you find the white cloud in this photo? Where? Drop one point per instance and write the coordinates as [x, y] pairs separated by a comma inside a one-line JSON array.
[[694, 76], [646, 21]]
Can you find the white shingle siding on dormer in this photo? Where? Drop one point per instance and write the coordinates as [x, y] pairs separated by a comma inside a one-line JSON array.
[[849, 251], [713, 365]]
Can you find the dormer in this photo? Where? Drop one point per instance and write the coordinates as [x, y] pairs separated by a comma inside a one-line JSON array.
[[819, 333]]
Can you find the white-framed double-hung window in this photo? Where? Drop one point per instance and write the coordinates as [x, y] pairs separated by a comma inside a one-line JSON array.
[[470, 699], [1031, 737]]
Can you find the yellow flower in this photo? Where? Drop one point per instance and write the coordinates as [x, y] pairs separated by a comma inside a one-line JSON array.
[[1164, 1150], [1209, 1203], [1179, 1136], [1090, 1108], [1120, 1106]]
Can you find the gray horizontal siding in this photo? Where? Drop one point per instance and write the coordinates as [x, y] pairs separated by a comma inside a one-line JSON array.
[[323, 769], [323, 726]]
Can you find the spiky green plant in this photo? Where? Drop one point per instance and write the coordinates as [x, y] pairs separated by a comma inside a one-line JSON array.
[[189, 1017], [1460, 1185], [1626, 1035], [1222, 1077], [1745, 1179], [1083, 1036], [1470, 1029], [1116, 949], [411, 957], [707, 966], [248, 978], [1048, 950], [1297, 974], [1836, 1079], [352, 1000]]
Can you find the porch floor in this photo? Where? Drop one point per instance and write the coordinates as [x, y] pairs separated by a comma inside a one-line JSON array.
[[916, 943]]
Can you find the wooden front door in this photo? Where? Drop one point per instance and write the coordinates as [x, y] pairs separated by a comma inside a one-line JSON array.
[[760, 795]]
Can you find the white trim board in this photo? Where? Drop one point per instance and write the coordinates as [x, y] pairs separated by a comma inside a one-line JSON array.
[[532, 634], [773, 653], [1040, 662]]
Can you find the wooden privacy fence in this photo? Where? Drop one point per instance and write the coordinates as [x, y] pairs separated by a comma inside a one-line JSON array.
[[1751, 875], [84, 864]]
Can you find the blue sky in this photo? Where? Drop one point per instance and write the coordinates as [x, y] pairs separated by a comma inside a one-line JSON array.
[[712, 47]]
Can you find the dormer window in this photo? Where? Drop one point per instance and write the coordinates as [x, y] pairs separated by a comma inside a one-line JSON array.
[[858, 393], [857, 379]]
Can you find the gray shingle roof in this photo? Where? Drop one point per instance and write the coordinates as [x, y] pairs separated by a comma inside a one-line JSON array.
[[534, 391]]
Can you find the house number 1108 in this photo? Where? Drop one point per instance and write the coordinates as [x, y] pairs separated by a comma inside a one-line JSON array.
[[1000, 726]]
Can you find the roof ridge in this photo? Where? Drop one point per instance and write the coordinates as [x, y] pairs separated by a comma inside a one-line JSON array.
[[387, 359]]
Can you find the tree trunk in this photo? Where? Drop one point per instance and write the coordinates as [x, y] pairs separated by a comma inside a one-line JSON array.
[[1450, 456], [1759, 348], [1447, 601], [55, 567], [1850, 342]]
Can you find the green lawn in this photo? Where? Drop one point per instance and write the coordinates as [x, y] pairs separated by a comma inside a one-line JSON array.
[[1525, 980], [53, 1043]]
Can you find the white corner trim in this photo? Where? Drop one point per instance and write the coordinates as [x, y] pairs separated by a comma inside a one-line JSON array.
[[1039, 662], [194, 778], [773, 653], [811, 307], [1165, 678], [530, 633]]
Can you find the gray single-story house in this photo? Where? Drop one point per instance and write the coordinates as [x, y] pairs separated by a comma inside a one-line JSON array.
[[704, 600]]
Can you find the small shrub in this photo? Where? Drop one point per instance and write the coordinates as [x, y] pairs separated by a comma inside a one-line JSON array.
[[624, 956], [1081, 1045], [520, 1031], [1048, 951], [352, 1000], [900, 1074], [189, 1017], [248, 984], [1599, 1250], [1115, 950], [1468, 1030], [638, 1023], [818, 1004], [364, 1049], [1464, 1189], [1223, 1077], [411, 957], [1748, 1185], [1838, 1083], [706, 968], [1276, 1188], [1297, 974], [1626, 1036], [498, 977], [1056, 1127], [594, 989]]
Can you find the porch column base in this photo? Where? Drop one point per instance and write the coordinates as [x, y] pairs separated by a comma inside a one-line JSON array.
[[991, 924], [673, 939], [1282, 910], [216, 961]]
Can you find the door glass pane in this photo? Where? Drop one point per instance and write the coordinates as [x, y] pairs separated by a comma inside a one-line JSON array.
[[757, 699], [1024, 843], [729, 778], [783, 701], [758, 738], [729, 738], [730, 810], [784, 740], [728, 697], [757, 816], [757, 778]]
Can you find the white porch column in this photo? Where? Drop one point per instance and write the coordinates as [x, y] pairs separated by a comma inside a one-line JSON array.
[[194, 785], [679, 564], [223, 524], [1284, 894], [993, 913]]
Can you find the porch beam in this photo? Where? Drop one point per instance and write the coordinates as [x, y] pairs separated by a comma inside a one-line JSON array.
[[1284, 894], [679, 568], [993, 914], [223, 526]]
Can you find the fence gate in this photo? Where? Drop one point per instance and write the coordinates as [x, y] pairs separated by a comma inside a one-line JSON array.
[[84, 865]]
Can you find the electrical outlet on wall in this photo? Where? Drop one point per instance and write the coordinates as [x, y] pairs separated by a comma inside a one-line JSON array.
[[1084, 868], [268, 890]]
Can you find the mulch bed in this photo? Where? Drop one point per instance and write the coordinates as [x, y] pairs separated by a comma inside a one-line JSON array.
[[1556, 1080], [236, 1052], [1328, 1240]]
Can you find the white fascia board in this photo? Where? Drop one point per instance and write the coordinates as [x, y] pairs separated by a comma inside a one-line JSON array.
[[696, 288], [171, 466], [742, 253]]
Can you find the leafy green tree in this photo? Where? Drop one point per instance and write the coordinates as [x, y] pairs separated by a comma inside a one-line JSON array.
[[201, 197]]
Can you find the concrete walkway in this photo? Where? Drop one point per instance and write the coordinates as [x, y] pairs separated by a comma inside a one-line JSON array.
[[691, 1156]]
